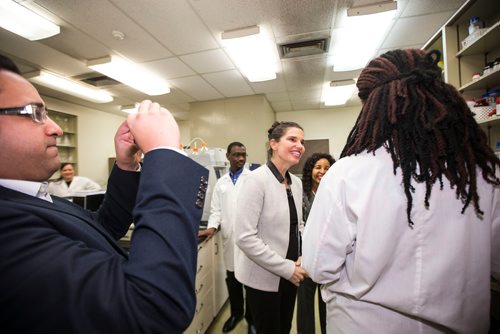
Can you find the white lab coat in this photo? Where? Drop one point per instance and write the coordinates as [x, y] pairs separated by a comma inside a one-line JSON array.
[[380, 276], [222, 213], [78, 185]]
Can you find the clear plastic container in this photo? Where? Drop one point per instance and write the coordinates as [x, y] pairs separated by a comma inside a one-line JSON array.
[[474, 25], [497, 150]]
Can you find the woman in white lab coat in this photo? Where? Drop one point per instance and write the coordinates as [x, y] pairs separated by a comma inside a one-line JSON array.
[[267, 232], [394, 251], [69, 184]]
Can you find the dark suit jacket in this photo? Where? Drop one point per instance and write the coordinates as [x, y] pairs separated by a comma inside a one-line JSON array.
[[61, 270]]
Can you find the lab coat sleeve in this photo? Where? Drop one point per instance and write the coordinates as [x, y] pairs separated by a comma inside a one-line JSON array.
[[329, 234], [215, 207], [91, 185]]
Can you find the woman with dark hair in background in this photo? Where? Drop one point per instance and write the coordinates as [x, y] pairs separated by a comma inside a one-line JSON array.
[[268, 212], [394, 251], [314, 169]]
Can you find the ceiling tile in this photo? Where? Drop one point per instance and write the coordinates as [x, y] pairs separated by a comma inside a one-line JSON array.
[[221, 15], [305, 95], [427, 25], [281, 106], [176, 96], [194, 36], [421, 7], [304, 73], [229, 83], [208, 61], [299, 17], [305, 104], [270, 86], [196, 87], [98, 18], [277, 97], [170, 68]]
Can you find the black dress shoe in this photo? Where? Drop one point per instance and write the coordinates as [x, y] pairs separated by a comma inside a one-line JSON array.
[[231, 323], [252, 329]]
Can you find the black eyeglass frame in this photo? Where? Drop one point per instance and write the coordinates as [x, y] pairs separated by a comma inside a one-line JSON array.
[[37, 112]]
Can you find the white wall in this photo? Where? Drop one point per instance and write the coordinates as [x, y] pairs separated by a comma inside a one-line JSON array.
[[333, 124], [244, 119], [96, 131], [185, 132]]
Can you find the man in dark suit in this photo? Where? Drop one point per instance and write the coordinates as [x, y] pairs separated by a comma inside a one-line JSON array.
[[61, 270]]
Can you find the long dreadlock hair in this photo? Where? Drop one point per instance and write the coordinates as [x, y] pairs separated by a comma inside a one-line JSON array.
[[308, 168], [423, 123]]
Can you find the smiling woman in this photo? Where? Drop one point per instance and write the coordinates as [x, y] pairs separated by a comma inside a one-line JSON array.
[[69, 184], [267, 260]]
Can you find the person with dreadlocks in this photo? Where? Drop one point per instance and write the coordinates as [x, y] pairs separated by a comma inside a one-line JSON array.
[[404, 231]]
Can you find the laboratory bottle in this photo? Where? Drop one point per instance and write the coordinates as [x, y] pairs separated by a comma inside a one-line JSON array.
[[473, 25]]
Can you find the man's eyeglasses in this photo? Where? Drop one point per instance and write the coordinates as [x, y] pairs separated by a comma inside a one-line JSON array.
[[37, 112]]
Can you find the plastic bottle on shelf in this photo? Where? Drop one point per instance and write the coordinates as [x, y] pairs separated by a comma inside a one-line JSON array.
[[497, 149], [204, 148], [474, 25], [195, 151]]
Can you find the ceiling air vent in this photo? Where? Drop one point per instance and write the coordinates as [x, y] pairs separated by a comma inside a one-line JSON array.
[[97, 80], [304, 48]]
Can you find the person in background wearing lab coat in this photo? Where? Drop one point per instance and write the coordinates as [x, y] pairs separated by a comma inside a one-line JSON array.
[[269, 215], [222, 216], [69, 184], [404, 231], [314, 169]]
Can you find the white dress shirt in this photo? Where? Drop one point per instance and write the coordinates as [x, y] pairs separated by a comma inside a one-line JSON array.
[[381, 276], [32, 188]]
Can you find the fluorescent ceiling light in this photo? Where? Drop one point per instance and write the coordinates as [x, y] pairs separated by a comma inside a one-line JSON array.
[[337, 93], [23, 22], [130, 109], [130, 74], [68, 86], [253, 53], [357, 41], [373, 8]]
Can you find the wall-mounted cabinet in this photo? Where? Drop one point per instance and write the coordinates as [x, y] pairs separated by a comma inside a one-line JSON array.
[[462, 62], [67, 144]]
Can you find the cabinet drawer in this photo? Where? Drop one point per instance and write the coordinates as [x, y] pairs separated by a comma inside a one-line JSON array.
[[203, 315], [204, 261], [203, 283]]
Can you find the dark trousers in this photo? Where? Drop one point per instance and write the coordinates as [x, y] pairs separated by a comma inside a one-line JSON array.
[[272, 312], [236, 298], [305, 308]]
